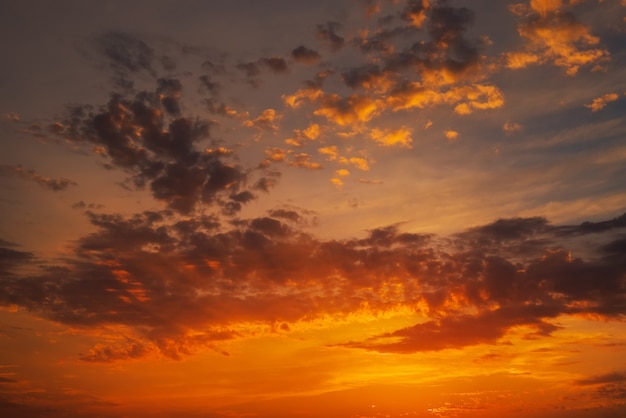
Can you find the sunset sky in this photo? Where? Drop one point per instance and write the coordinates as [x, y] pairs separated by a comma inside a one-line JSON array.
[[331, 208]]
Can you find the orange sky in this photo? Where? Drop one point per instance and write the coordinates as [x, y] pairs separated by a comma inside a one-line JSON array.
[[356, 209]]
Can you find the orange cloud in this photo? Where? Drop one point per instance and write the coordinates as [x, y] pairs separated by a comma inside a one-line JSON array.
[[451, 135], [312, 132], [543, 7], [510, 127], [554, 35], [351, 110], [601, 102], [266, 121], [337, 182], [331, 152], [467, 98], [275, 154], [303, 160], [398, 137], [360, 163]]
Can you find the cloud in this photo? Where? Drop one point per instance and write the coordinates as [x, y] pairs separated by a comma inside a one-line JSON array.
[[398, 137], [12, 116], [554, 35], [311, 133], [197, 274], [511, 127], [303, 160], [106, 354], [459, 331], [601, 102], [328, 33], [348, 111], [146, 136], [360, 163], [449, 56], [56, 185], [175, 286], [613, 377], [250, 69], [370, 181], [275, 64], [266, 121], [415, 12], [126, 55], [611, 386], [11, 258], [466, 98], [208, 84], [305, 55], [369, 77]]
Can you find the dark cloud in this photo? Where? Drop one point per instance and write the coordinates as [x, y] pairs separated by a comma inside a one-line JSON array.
[[595, 227], [446, 56], [54, 184], [82, 205], [328, 33], [275, 64], [11, 258], [208, 84], [168, 63], [504, 230], [384, 40], [180, 285], [290, 215], [213, 67], [613, 377], [219, 108], [461, 331], [146, 136], [305, 55], [365, 76], [611, 386], [250, 69], [170, 91]]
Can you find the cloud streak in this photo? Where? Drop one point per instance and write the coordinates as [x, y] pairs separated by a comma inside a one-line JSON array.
[[53, 184]]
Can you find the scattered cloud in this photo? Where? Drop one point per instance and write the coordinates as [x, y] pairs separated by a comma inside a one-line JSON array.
[[266, 121], [451, 135], [554, 35], [601, 102], [303, 160], [399, 137], [511, 127]]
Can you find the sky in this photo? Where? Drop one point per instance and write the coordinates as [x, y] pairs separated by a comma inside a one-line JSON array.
[[288, 208]]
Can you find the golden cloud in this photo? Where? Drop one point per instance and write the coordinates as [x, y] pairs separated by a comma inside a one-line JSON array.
[[601, 102], [397, 137]]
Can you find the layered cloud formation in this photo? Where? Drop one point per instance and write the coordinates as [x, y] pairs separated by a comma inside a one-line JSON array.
[[176, 286], [194, 219]]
